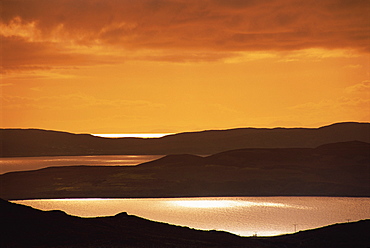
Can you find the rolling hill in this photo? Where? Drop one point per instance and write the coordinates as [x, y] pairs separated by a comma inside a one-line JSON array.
[[338, 169], [35, 142]]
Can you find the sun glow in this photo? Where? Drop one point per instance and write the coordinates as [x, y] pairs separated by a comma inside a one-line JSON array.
[[131, 135]]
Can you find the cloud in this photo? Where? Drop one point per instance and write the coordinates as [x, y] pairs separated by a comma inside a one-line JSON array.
[[355, 97], [20, 54], [84, 32], [361, 89], [353, 104], [74, 100], [357, 66]]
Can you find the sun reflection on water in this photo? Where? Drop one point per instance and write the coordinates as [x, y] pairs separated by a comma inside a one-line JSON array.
[[229, 204], [244, 216], [204, 203]]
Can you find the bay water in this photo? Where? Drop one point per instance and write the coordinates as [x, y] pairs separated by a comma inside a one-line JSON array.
[[34, 163], [244, 216]]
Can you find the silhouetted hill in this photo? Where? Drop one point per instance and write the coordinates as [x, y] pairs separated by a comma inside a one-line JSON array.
[[24, 226], [34, 142], [339, 169], [334, 236]]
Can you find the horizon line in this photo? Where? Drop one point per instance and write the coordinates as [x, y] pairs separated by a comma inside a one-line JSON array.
[[131, 135], [162, 134]]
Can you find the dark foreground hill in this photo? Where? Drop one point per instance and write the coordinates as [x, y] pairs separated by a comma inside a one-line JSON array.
[[24, 226], [34, 142], [339, 169]]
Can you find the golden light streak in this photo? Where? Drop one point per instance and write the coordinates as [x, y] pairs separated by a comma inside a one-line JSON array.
[[131, 135]]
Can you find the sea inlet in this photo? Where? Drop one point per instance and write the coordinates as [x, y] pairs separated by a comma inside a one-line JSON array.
[[244, 216]]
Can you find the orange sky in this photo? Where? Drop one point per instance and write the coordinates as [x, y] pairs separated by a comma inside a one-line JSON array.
[[183, 65]]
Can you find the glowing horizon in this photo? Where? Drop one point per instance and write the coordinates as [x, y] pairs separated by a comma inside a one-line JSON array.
[[131, 135]]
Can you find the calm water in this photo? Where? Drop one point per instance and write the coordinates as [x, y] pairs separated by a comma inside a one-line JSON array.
[[33, 163], [245, 216]]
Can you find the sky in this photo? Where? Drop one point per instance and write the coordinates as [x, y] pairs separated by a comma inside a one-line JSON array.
[[143, 66]]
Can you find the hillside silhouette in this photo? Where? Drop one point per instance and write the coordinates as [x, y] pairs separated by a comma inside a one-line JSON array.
[[338, 169], [23, 226], [35, 142]]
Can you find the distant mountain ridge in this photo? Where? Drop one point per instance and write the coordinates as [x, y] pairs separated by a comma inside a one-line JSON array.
[[24, 226], [338, 169], [36, 142]]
